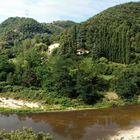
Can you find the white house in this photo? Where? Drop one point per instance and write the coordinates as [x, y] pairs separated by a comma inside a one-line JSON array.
[[82, 51], [52, 47]]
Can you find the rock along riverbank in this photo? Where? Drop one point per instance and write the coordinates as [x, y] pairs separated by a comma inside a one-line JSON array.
[[17, 104]]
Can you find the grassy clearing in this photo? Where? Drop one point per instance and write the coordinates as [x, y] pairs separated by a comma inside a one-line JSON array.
[[111, 96]]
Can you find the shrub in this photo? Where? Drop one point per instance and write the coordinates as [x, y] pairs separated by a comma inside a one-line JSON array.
[[91, 98], [127, 85], [24, 134]]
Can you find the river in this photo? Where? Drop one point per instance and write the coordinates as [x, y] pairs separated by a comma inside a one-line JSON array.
[[77, 125]]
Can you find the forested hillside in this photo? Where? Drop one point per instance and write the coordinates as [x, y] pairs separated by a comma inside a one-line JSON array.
[[58, 27], [16, 29], [114, 34], [96, 57]]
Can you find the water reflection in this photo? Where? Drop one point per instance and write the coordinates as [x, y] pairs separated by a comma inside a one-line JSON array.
[[76, 125]]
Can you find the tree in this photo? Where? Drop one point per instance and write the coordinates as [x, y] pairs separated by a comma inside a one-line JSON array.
[[127, 85]]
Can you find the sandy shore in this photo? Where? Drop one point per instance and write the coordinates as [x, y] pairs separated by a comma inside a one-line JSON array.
[[16, 104], [132, 134]]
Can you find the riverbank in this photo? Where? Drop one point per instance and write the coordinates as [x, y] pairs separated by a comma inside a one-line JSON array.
[[16, 104], [21, 99], [10, 105]]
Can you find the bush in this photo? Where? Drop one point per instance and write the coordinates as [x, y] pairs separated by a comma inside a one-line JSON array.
[[91, 98], [127, 85], [24, 134]]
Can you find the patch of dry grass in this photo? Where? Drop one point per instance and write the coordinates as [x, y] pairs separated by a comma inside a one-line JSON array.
[[111, 96]]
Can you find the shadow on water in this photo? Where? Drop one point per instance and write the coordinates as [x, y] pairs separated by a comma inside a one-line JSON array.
[[76, 125]]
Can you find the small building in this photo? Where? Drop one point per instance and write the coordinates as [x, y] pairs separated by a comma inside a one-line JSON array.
[[82, 51]]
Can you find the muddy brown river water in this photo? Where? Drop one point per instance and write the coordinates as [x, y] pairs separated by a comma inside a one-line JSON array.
[[76, 125]]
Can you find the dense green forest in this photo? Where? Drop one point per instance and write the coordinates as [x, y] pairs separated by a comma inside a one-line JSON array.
[[15, 29], [114, 34], [95, 57]]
